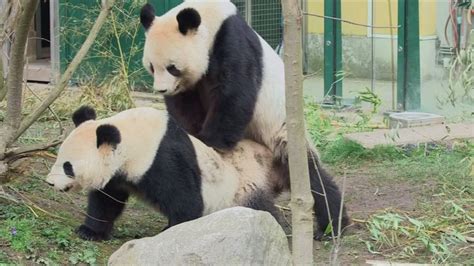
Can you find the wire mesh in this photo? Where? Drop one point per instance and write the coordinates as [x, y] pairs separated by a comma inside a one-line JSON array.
[[265, 17]]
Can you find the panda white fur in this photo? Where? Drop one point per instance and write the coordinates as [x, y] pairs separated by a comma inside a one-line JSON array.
[[223, 82], [143, 151]]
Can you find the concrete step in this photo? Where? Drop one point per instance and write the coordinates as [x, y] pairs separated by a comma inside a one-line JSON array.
[[414, 119], [414, 135]]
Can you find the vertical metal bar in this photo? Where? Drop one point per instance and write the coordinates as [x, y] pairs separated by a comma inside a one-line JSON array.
[[304, 5], [401, 64], [408, 87], [248, 11], [54, 36], [372, 47], [332, 49], [338, 70], [328, 48]]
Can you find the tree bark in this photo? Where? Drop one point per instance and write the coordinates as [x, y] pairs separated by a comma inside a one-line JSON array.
[[301, 198], [8, 16], [3, 88], [15, 74], [63, 81]]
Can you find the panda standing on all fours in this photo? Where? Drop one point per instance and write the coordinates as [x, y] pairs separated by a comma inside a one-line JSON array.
[[172, 171], [223, 82]]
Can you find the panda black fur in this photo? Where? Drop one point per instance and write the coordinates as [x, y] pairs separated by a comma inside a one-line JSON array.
[[223, 82], [143, 151]]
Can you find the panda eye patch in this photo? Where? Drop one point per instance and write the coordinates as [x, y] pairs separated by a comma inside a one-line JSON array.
[[67, 167], [152, 70], [173, 70]]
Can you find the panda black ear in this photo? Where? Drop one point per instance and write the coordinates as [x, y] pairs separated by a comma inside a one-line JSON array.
[[188, 19], [147, 15], [108, 134], [83, 114]]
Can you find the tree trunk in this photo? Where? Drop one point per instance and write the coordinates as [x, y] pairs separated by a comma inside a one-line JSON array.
[[63, 81], [15, 74], [301, 198], [8, 16], [3, 88]]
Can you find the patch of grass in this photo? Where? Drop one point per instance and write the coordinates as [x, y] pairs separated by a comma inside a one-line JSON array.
[[437, 161], [87, 252], [4, 259], [44, 239], [111, 96], [318, 123], [436, 234], [18, 232], [349, 152], [445, 165], [439, 236]]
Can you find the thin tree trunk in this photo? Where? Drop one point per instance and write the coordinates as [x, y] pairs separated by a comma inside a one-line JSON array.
[[301, 198], [63, 81], [15, 74], [8, 16], [3, 88]]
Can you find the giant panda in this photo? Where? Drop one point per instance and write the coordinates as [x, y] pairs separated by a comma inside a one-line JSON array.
[[223, 82], [143, 151]]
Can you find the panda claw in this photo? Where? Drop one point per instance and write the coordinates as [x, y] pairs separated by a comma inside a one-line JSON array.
[[320, 236], [88, 234]]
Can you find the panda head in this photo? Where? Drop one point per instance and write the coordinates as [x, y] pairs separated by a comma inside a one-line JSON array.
[[89, 156], [176, 51]]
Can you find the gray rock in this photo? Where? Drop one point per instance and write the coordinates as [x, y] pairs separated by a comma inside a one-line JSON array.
[[234, 236]]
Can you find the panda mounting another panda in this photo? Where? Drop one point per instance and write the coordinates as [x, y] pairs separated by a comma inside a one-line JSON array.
[[221, 142], [143, 151], [223, 83]]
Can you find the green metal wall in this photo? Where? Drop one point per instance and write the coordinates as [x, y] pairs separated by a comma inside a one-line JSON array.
[[126, 36]]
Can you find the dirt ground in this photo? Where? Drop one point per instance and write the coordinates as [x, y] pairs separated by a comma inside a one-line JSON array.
[[368, 189], [366, 192]]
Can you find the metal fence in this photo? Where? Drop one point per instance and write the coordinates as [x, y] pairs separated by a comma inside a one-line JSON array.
[[265, 18]]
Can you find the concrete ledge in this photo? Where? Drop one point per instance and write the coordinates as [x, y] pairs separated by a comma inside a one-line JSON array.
[[415, 135]]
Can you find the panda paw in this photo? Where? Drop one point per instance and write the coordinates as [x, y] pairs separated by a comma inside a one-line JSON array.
[[280, 143], [320, 236], [88, 234], [216, 141]]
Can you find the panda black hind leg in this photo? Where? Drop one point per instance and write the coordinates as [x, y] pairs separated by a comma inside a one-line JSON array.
[[264, 201], [319, 179], [103, 208], [324, 217]]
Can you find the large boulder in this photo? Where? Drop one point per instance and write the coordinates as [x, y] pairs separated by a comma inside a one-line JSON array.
[[233, 236]]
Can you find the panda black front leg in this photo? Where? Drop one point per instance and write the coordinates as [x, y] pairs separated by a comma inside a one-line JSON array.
[[103, 208], [227, 118]]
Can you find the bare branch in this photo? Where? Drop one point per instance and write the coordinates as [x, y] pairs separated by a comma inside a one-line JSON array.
[[61, 129], [11, 153], [337, 246]]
